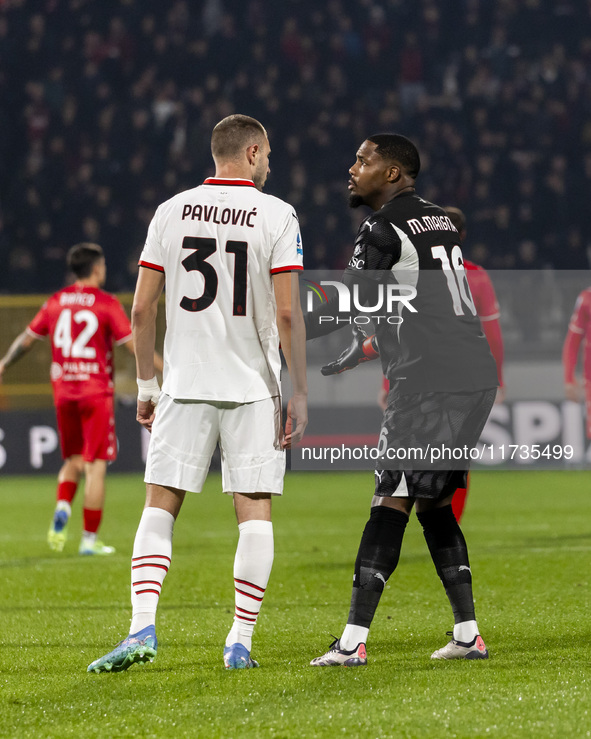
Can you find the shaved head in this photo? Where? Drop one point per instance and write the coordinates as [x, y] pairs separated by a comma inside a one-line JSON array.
[[234, 134]]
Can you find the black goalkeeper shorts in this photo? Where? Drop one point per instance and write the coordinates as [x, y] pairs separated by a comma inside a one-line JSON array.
[[427, 442]]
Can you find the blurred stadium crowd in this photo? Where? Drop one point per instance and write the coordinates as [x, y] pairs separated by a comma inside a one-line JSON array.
[[106, 108]]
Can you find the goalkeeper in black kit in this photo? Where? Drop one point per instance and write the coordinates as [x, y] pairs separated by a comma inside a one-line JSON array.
[[408, 264]]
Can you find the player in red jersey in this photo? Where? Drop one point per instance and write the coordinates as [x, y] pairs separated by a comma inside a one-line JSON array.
[[487, 307], [84, 323], [579, 330]]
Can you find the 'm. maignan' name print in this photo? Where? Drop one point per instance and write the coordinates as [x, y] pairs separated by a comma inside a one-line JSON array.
[[431, 223]]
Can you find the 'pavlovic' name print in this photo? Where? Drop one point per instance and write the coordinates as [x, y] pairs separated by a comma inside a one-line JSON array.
[[237, 217]]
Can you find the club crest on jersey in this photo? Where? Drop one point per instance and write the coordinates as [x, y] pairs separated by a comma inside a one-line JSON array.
[[55, 371]]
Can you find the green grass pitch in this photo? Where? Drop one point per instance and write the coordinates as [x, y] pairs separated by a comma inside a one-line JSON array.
[[529, 536]]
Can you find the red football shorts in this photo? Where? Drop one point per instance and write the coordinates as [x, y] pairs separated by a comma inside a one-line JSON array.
[[87, 427]]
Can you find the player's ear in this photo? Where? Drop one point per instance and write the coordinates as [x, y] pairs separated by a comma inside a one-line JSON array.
[[252, 153], [394, 173]]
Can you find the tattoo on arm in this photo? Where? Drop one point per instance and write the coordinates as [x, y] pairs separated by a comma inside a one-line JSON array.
[[18, 348]]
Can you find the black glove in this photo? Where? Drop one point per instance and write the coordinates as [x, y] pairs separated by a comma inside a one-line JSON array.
[[363, 348]]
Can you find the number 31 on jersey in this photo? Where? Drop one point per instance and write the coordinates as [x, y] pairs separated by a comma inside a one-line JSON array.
[[197, 262]]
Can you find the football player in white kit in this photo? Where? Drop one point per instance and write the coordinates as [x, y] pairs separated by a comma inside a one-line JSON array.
[[230, 256]]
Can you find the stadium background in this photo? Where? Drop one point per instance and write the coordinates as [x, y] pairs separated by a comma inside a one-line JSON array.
[[106, 110]]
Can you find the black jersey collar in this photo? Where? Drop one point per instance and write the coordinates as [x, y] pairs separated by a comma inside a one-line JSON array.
[[401, 195]]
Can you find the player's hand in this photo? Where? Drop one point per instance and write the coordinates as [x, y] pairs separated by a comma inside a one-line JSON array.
[[147, 400], [363, 348], [572, 391], [297, 420], [146, 412]]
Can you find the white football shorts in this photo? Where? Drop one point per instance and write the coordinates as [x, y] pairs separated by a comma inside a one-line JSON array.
[[185, 434]]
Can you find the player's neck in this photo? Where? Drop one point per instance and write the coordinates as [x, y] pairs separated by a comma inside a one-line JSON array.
[[386, 197], [87, 282], [406, 188], [232, 172], [390, 193]]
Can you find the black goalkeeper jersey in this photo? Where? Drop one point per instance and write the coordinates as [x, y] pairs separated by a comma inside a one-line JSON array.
[[440, 345]]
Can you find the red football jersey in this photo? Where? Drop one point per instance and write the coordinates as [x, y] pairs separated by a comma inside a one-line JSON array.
[[84, 323], [483, 292], [579, 329], [487, 307]]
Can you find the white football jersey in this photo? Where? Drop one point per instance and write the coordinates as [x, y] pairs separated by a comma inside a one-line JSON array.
[[218, 246]]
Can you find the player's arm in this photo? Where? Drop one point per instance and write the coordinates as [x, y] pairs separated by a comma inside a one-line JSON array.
[[149, 287], [492, 331], [487, 307], [570, 350], [292, 334], [363, 348], [19, 347], [327, 317], [158, 361], [377, 249]]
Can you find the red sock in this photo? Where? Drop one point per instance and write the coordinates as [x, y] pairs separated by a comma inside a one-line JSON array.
[[66, 490], [458, 503], [92, 519]]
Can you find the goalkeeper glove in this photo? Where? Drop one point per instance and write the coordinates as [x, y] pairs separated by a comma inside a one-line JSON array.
[[363, 348]]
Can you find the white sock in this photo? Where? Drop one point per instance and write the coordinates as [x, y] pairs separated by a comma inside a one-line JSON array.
[[152, 552], [466, 631], [252, 567], [352, 636], [88, 538], [63, 505]]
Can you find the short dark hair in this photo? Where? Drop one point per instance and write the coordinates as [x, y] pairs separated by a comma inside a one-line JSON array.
[[234, 134], [82, 258], [456, 216], [399, 149]]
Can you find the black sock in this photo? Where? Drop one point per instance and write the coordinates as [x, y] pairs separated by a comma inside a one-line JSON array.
[[377, 558], [450, 557]]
